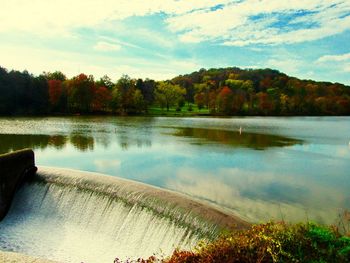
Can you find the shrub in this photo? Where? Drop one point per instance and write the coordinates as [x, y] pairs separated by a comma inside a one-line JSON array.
[[272, 242]]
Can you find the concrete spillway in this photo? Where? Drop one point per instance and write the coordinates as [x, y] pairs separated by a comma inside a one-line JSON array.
[[72, 216], [15, 167]]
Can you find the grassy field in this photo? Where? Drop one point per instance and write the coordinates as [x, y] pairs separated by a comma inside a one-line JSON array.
[[185, 111]]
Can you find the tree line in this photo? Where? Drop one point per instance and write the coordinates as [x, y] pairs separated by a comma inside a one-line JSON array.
[[224, 91]]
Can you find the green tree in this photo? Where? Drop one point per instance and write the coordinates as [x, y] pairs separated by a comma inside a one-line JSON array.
[[138, 101], [201, 96], [147, 88], [57, 75], [105, 81], [125, 89], [168, 94], [80, 93], [115, 100]]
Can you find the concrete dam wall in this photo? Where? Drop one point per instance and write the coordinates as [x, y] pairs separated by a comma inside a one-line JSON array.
[[73, 216]]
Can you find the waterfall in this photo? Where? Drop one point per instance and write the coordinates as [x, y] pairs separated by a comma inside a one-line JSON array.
[[70, 216]]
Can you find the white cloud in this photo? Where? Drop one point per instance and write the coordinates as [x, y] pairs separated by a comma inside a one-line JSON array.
[[338, 63], [103, 165], [165, 68], [234, 26], [334, 58], [154, 37], [52, 17], [286, 65], [37, 60], [120, 43], [347, 69], [192, 20], [106, 46]]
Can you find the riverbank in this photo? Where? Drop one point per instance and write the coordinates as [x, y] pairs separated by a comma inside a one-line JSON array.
[[269, 242]]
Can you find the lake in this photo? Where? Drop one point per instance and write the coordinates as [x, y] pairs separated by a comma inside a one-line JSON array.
[[294, 169]]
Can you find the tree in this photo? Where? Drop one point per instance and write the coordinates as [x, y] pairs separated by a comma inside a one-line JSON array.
[[199, 99], [6, 97], [168, 94], [201, 96], [187, 84], [57, 75], [138, 101], [115, 100], [55, 91], [106, 82], [225, 100], [80, 93], [125, 93], [234, 84], [343, 106], [265, 105], [101, 99], [284, 101], [38, 96], [147, 88], [227, 90]]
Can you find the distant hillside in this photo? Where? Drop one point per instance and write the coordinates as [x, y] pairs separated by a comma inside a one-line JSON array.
[[263, 92]]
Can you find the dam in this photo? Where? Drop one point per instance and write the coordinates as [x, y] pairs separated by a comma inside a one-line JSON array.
[[73, 216]]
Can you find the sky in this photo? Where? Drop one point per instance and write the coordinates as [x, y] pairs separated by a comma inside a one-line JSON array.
[[161, 39]]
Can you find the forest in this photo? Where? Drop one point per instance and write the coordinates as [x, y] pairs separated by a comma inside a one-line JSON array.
[[223, 91]]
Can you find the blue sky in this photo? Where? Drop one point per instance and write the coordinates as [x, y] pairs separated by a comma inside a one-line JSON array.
[[161, 39]]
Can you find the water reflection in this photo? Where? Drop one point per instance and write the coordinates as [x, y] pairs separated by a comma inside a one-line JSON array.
[[261, 196], [127, 139], [11, 142], [236, 138], [206, 158], [81, 142]]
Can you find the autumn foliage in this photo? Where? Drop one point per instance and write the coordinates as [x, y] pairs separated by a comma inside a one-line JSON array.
[[101, 99], [272, 242], [227, 91], [55, 91], [265, 243]]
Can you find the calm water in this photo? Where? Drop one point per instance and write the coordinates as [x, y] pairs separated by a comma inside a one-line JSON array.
[[277, 168]]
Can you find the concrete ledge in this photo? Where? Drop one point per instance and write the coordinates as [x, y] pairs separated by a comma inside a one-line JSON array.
[[14, 167], [140, 193]]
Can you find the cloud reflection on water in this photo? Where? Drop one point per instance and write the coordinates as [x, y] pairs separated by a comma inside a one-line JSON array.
[[259, 196]]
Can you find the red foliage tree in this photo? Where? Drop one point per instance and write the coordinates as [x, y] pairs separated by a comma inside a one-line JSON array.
[[102, 98], [55, 91], [199, 99], [225, 100], [265, 105]]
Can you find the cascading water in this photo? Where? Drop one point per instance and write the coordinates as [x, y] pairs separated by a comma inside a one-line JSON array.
[[76, 218]]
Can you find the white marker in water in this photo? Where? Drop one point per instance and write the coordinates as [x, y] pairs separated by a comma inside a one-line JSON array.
[[240, 131]]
